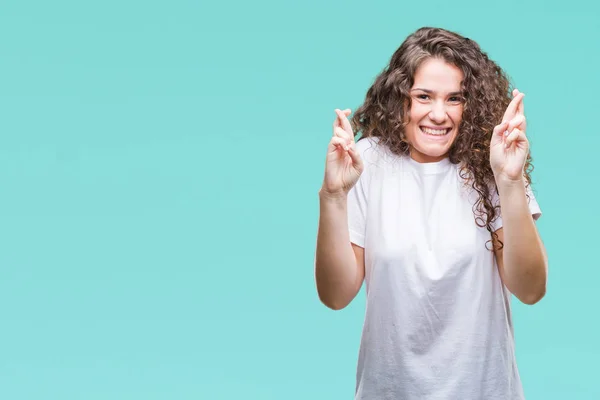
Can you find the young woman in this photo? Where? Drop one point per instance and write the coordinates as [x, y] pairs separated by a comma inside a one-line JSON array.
[[432, 208]]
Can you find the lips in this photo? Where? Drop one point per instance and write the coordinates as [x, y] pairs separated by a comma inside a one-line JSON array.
[[435, 131]]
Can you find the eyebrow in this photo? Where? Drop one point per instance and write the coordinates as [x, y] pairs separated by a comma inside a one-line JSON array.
[[433, 92]]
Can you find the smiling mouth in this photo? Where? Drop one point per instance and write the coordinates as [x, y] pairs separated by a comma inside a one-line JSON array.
[[435, 132]]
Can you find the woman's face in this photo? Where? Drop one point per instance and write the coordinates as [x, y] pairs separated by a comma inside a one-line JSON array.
[[436, 110]]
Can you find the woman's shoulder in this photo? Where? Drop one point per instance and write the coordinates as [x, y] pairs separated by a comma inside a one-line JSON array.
[[372, 150], [365, 142]]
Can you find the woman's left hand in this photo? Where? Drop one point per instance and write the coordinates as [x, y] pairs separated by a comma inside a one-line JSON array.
[[509, 146]]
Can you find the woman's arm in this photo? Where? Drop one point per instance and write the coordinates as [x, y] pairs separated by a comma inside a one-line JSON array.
[[339, 264], [522, 262]]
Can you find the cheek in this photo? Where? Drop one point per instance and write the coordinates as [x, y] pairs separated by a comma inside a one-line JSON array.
[[456, 115], [417, 112]]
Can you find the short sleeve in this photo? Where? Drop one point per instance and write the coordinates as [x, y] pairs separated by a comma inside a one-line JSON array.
[[358, 197], [534, 207], [357, 212]]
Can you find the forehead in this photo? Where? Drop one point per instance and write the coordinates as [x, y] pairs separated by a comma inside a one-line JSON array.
[[436, 74]]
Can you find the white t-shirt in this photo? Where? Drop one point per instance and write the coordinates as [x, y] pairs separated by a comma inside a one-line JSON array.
[[438, 320]]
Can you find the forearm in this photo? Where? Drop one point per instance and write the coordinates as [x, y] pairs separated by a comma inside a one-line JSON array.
[[337, 274], [524, 257]]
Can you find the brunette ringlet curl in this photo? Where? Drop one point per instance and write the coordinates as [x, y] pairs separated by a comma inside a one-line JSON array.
[[486, 95]]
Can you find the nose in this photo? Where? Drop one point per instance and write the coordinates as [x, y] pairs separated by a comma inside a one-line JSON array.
[[437, 113]]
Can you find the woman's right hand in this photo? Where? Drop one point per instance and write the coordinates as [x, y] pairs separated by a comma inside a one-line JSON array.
[[343, 163]]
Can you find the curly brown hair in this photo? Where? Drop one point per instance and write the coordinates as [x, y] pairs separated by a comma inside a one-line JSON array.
[[486, 91]]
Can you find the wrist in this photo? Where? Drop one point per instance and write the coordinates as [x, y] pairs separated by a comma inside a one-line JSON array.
[[510, 187], [336, 197], [509, 182]]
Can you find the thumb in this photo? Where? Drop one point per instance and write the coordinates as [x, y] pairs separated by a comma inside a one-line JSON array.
[[357, 162]]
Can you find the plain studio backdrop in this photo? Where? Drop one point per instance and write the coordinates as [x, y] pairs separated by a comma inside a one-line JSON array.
[[159, 170]]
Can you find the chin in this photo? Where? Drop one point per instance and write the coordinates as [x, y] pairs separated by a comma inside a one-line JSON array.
[[428, 154], [431, 151], [433, 147]]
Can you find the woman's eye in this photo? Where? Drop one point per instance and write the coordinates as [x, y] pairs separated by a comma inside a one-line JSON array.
[[422, 97], [455, 99]]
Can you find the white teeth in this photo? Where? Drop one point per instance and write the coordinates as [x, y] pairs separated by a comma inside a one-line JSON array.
[[438, 132]]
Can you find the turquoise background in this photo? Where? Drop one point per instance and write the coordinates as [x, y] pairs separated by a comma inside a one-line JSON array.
[[159, 169]]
